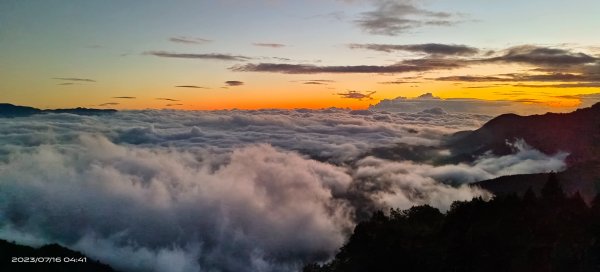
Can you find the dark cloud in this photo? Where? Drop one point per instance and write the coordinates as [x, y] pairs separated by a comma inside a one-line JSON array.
[[233, 83], [74, 79], [188, 40], [108, 104], [543, 56], [322, 80], [172, 105], [486, 86], [429, 48], [166, 99], [555, 77], [521, 77], [66, 83], [124, 97], [317, 82], [357, 95], [416, 65], [211, 56], [473, 78], [281, 59], [393, 17], [190, 86], [436, 63], [552, 65], [271, 45], [399, 82], [562, 85]]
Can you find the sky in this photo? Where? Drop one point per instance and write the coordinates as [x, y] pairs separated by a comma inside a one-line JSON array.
[[204, 55]]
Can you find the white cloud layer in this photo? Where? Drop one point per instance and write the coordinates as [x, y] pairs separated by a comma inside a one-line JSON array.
[[224, 190]]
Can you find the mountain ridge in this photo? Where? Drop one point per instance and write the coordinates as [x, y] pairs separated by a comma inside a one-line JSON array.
[[577, 133], [10, 110]]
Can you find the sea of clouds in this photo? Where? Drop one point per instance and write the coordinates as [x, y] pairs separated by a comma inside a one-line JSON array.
[[264, 190]]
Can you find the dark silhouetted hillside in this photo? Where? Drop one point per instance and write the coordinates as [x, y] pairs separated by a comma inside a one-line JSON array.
[[542, 232], [83, 111], [10, 110], [76, 263], [577, 133]]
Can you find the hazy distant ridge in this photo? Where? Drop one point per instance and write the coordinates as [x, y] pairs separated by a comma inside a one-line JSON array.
[[10, 110]]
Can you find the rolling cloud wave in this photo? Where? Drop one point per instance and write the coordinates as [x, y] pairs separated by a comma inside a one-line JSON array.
[[259, 190]]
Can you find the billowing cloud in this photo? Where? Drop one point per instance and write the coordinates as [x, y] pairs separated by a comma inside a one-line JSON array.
[[420, 182], [271, 45], [189, 40], [469, 105], [393, 17], [233, 83], [428, 48], [76, 79], [235, 190], [211, 56], [150, 210]]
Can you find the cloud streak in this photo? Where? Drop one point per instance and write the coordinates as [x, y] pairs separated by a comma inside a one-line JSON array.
[[357, 95], [428, 48], [190, 86], [234, 83], [270, 45], [543, 56], [76, 79], [211, 56], [188, 40], [417, 65]]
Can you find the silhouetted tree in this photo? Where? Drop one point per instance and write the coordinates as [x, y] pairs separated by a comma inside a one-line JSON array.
[[553, 190], [508, 233]]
